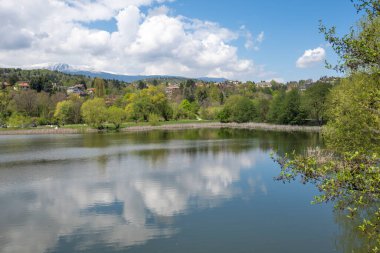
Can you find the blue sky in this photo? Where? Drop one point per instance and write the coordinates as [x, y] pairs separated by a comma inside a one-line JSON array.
[[290, 28], [244, 40]]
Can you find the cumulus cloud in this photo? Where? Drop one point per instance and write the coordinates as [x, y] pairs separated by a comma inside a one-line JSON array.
[[252, 42], [145, 42], [311, 57]]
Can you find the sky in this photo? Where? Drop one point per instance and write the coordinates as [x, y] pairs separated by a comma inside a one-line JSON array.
[[240, 40]]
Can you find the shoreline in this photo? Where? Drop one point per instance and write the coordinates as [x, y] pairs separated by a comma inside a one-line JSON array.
[[170, 127]]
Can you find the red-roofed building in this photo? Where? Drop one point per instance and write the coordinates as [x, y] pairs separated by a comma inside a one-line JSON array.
[[22, 86]]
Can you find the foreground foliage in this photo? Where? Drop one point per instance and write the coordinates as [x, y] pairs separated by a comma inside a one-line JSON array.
[[347, 170]]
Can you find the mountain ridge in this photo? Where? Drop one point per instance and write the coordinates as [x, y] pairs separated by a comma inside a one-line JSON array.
[[88, 71]]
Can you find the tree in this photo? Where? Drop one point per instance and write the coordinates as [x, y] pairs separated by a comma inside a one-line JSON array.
[[263, 106], [148, 101], [238, 109], [348, 170], [116, 116], [275, 108], [184, 110], [359, 50], [94, 112], [64, 112], [354, 115], [201, 94], [188, 90], [314, 101], [68, 111], [292, 113], [4, 107], [26, 102], [99, 87], [141, 85]]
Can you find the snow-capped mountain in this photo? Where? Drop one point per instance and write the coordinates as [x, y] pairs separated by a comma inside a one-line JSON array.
[[89, 71]]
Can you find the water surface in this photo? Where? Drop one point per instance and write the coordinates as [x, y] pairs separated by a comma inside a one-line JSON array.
[[185, 191]]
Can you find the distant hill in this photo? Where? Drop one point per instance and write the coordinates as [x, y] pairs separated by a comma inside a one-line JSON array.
[[87, 71]]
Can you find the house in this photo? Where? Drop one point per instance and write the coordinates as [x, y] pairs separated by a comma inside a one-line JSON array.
[[264, 85], [172, 90], [77, 89], [22, 86], [91, 91]]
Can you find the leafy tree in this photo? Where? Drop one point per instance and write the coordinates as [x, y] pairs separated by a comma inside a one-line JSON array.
[[116, 116], [263, 106], [25, 102], [314, 101], [99, 85], [64, 112], [94, 112], [201, 95], [354, 115], [4, 107], [141, 85], [13, 79], [292, 112], [348, 171], [238, 109], [188, 90], [186, 110], [45, 108], [276, 107], [360, 48], [68, 111], [148, 101], [155, 82]]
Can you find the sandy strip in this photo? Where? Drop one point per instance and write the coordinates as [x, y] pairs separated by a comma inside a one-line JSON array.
[[257, 126]]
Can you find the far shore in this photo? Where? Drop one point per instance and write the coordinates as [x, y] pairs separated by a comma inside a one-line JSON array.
[[179, 126]]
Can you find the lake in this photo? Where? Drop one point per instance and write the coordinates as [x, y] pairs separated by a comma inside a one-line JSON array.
[[183, 191]]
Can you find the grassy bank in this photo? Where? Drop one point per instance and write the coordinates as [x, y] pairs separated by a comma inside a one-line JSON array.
[[172, 125]]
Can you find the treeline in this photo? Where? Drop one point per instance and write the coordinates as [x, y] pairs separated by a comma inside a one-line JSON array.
[[153, 101], [53, 81]]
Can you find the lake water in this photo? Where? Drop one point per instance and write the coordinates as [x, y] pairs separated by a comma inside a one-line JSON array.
[[186, 191]]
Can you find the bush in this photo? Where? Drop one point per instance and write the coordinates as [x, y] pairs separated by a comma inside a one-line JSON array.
[[209, 113], [19, 120], [154, 119]]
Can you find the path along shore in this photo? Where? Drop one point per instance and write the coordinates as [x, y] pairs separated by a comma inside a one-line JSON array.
[[253, 126]]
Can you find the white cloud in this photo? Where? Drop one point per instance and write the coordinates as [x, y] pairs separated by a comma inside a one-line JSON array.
[[251, 42], [155, 42], [311, 57]]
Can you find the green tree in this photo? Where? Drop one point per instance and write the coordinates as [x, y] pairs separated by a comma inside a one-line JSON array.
[[292, 112], [141, 85], [4, 107], [263, 106], [238, 109], [116, 116], [100, 89], [94, 112], [314, 101], [276, 107], [148, 101], [201, 94], [64, 112], [360, 48], [354, 115], [348, 171], [188, 90]]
